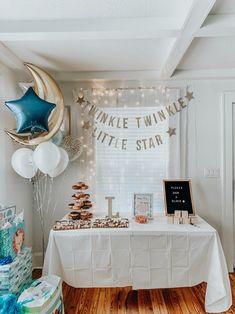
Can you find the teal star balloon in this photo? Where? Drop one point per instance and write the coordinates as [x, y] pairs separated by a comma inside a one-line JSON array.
[[31, 112]]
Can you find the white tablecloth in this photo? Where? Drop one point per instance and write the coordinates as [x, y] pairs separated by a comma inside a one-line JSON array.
[[153, 255]]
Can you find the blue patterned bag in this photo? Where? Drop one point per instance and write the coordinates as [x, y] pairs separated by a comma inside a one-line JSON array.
[[11, 239]]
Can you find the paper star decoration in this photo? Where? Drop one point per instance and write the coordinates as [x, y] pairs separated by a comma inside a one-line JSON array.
[[31, 112], [80, 100], [171, 131], [86, 125], [189, 95]]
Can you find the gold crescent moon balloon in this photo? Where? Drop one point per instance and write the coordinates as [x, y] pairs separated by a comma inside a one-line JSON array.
[[46, 88]]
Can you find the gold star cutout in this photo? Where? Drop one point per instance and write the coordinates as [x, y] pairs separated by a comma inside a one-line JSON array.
[[189, 95], [86, 125], [80, 100], [171, 131]]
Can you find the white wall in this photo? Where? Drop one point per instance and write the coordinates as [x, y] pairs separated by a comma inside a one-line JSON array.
[[13, 188]]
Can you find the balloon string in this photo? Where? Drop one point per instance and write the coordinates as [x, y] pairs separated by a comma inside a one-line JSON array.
[[43, 187], [49, 194], [38, 197], [43, 190], [39, 203], [40, 207]]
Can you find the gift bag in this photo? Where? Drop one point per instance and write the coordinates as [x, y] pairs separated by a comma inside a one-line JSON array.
[[12, 236], [11, 239]]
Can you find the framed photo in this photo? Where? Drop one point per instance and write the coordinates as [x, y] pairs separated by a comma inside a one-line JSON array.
[[8, 213], [143, 204], [178, 196]]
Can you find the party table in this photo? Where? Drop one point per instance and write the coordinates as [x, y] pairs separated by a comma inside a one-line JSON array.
[[144, 256]]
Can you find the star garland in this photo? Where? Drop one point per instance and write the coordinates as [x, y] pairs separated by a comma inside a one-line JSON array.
[[171, 131], [88, 125]]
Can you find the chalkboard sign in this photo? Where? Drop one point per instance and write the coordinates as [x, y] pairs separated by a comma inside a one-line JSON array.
[[178, 196]]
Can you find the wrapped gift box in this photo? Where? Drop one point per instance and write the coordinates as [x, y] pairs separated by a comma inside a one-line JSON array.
[[18, 274], [44, 296]]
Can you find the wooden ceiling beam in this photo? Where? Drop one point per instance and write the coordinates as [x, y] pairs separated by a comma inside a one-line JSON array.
[[105, 76], [91, 29], [196, 16]]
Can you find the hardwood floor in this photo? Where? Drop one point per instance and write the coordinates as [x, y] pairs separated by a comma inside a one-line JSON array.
[[127, 301]]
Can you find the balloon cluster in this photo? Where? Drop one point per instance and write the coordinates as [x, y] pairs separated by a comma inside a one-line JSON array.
[[47, 157], [43, 164]]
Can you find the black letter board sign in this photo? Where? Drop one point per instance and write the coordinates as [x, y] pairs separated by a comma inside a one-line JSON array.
[[178, 196]]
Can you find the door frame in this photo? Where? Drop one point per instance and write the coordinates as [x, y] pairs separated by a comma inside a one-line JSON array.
[[227, 207]]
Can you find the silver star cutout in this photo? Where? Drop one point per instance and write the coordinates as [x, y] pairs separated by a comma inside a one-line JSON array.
[[189, 95], [86, 125], [171, 131], [80, 100]]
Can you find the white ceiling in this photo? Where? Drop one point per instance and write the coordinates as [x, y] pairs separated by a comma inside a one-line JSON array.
[[223, 7], [94, 55], [209, 53], [80, 9], [80, 39]]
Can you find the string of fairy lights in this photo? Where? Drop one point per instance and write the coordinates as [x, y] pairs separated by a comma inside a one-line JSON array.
[[122, 97], [120, 91]]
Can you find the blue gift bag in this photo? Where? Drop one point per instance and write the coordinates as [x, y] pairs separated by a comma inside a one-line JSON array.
[[12, 240]]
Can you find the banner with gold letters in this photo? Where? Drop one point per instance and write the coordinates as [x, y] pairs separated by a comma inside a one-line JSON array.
[[102, 124]]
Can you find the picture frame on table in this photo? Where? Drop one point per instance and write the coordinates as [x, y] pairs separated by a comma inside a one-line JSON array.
[[143, 204], [178, 196]]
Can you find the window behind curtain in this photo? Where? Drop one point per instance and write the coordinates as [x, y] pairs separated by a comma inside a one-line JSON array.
[[121, 173]]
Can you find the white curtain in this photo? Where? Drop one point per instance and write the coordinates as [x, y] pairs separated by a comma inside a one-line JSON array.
[[137, 153]]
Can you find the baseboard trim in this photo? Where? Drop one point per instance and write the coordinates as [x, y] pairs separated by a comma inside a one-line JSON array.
[[37, 260]]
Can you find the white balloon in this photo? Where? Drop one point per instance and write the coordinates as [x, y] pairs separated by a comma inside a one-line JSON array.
[[64, 160], [22, 163], [46, 157]]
